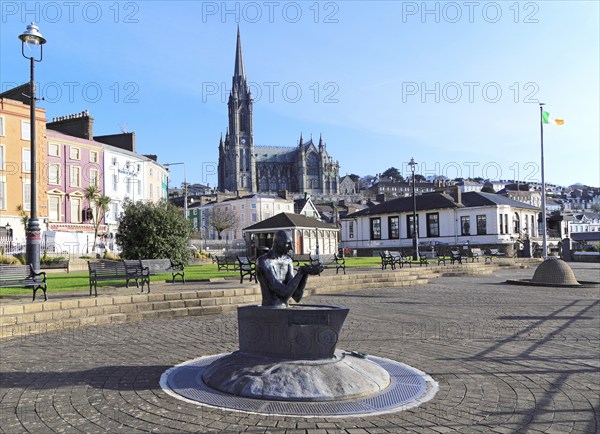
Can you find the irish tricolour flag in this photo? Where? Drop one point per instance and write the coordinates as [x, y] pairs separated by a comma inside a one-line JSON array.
[[547, 119]]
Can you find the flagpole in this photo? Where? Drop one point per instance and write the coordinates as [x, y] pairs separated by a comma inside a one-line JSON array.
[[544, 232]]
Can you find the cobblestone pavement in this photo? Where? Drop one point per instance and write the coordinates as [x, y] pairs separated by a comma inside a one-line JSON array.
[[507, 359]]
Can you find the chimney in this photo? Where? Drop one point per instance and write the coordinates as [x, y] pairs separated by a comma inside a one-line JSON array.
[[380, 197], [282, 194], [123, 140], [79, 125], [456, 194]]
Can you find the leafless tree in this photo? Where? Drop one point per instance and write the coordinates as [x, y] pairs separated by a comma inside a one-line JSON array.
[[222, 218]]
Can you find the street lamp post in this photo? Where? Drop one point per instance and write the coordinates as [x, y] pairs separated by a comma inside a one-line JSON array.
[[544, 229], [185, 187], [415, 237], [32, 37]]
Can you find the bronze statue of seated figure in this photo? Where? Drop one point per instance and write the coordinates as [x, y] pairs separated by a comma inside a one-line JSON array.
[[275, 273]]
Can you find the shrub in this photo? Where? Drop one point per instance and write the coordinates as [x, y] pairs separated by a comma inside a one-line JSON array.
[[153, 231], [9, 260], [111, 256]]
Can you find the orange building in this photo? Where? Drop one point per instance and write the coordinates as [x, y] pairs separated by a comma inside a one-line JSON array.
[[15, 170]]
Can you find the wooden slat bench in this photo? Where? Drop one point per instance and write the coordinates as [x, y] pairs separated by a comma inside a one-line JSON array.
[[329, 261], [247, 268], [225, 263], [113, 270], [386, 259], [23, 275], [162, 266], [400, 259], [493, 253], [455, 256], [134, 270], [476, 254]]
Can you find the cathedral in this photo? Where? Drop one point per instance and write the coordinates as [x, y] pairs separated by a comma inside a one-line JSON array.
[[245, 168]]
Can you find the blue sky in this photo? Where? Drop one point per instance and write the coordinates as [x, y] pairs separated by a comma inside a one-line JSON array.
[[452, 84]]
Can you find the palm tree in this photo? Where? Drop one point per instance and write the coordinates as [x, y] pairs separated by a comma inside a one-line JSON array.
[[24, 216], [99, 204]]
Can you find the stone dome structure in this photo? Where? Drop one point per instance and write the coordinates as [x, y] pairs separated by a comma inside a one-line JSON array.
[[554, 272]]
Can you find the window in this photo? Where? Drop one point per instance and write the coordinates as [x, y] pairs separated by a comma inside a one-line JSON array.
[[410, 228], [501, 224], [506, 223], [1, 126], [128, 186], [1, 157], [75, 176], [54, 208], [115, 181], [481, 225], [253, 206], [75, 210], [53, 150], [93, 156], [94, 178], [433, 224], [26, 160], [242, 218], [393, 228], [2, 192], [27, 195], [139, 187], [151, 191], [151, 172], [351, 229], [25, 130], [253, 217], [376, 228], [465, 225], [74, 153], [242, 206], [113, 161], [54, 174], [114, 211]]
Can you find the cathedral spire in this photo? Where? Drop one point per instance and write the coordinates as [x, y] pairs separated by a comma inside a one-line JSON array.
[[239, 75]]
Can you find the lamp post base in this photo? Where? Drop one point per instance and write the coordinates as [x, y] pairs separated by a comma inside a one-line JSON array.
[[33, 242]]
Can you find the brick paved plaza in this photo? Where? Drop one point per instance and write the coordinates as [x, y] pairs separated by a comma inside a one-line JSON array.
[[507, 359]]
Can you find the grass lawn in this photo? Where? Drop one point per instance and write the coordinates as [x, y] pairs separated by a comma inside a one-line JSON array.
[[60, 282]]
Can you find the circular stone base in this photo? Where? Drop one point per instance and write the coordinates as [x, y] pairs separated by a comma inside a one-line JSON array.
[[341, 377], [530, 282], [408, 388]]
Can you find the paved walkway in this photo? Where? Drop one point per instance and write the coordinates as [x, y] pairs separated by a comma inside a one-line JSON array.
[[507, 358]]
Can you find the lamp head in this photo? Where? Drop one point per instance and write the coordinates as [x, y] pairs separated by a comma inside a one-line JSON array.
[[32, 35], [412, 164]]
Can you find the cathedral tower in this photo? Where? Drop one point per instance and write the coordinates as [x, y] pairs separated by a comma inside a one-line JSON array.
[[237, 164]]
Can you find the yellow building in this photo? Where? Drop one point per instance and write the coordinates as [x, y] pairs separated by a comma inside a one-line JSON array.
[[15, 170], [155, 179]]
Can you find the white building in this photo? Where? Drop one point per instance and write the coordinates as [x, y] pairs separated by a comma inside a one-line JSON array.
[[249, 210], [128, 175], [482, 219]]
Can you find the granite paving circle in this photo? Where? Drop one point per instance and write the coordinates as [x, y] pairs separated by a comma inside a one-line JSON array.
[[508, 359]]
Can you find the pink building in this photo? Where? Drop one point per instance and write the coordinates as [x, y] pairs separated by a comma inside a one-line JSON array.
[[73, 165]]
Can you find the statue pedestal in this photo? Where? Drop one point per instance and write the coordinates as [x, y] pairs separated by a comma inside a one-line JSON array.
[[299, 332], [289, 354]]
